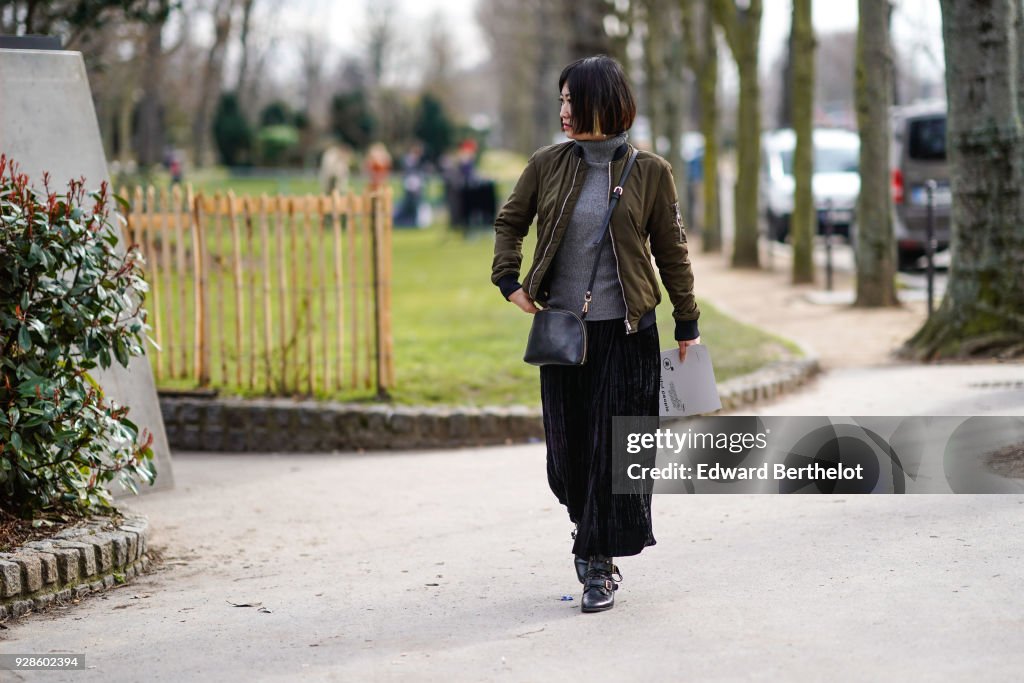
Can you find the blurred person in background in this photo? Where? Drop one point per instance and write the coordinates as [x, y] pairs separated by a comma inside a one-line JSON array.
[[334, 165], [407, 214], [378, 165]]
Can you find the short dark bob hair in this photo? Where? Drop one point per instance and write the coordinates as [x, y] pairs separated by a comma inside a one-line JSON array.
[[602, 101]]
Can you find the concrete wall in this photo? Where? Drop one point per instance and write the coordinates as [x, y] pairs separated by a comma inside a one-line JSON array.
[[48, 123]]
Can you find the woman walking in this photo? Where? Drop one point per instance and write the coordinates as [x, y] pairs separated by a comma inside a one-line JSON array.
[[567, 187]]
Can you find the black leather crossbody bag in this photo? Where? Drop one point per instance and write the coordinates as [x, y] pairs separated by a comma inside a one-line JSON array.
[[558, 336]]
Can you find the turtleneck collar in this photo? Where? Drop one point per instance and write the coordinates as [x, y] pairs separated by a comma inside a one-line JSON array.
[[601, 151]]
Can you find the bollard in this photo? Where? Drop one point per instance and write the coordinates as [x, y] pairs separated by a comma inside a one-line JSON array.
[[929, 244], [828, 245]]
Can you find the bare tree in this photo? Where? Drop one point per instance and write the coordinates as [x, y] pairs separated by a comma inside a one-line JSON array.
[[527, 40], [551, 57], [150, 134], [702, 55], [804, 219], [742, 28], [618, 27], [380, 38], [121, 44], [113, 67], [241, 80], [258, 40], [834, 71], [676, 82], [439, 74], [313, 49], [664, 86], [213, 74], [982, 312], [585, 22], [73, 21], [785, 111], [654, 50], [834, 68], [876, 251]]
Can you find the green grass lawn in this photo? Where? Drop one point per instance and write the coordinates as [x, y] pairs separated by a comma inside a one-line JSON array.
[[457, 341]]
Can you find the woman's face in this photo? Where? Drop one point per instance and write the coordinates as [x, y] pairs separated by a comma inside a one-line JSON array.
[[565, 114]]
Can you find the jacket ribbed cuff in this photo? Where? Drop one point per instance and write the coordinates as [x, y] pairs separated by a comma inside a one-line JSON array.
[[686, 330], [508, 284]]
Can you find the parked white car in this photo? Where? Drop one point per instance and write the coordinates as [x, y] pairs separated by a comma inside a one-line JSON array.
[[836, 180]]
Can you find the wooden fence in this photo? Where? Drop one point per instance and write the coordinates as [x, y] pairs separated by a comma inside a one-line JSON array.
[[276, 295]]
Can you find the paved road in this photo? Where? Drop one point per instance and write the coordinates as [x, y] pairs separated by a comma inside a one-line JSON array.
[[450, 566], [908, 389]]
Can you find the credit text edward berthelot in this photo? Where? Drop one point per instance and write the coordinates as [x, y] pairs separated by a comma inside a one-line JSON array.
[[665, 439]]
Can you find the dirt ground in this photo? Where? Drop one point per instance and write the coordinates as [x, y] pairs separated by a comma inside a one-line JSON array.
[[15, 532], [842, 336]]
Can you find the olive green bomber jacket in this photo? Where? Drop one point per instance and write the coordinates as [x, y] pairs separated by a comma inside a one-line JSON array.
[[646, 222]]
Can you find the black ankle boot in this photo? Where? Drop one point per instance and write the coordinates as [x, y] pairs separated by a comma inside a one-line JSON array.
[[599, 585], [581, 568]]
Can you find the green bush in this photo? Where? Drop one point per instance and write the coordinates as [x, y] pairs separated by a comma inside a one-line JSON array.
[[69, 301], [276, 143], [231, 131], [277, 113], [352, 119], [433, 127]]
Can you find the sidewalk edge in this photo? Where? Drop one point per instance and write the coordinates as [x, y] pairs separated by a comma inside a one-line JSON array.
[[288, 426], [75, 562]]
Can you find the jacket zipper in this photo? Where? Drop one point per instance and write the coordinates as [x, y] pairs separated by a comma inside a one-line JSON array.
[[554, 227], [611, 236]]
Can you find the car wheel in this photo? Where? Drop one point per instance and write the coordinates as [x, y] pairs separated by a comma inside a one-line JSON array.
[[906, 260]]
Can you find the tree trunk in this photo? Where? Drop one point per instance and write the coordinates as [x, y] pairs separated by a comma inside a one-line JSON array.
[[786, 102], [664, 87], [585, 22], [742, 31], [983, 310], [804, 222], [124, 130], [150, 133], [546, 78], [702, 55], [876, 250], [1018, 26], [241, 81], [654, 70], [674, 98], [210, 85], [708, 87], [894, 74]]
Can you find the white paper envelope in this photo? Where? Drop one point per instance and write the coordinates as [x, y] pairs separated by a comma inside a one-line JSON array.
[[688, 388]]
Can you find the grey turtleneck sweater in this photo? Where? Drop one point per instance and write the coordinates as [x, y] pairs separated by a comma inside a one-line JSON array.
[[570, 270]]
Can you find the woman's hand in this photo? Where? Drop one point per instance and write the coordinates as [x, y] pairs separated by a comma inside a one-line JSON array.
[[521, 299], [683, 345]]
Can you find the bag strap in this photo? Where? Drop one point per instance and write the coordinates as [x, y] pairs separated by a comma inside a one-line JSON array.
[[612, 203]]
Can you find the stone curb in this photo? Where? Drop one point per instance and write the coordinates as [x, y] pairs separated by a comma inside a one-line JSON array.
[[73, 563], [287, 426], [767, 383]]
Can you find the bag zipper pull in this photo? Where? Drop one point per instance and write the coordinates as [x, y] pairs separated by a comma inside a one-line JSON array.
[[586, 302]]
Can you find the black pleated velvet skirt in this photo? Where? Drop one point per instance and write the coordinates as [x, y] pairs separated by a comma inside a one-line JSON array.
[[621, 377]]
